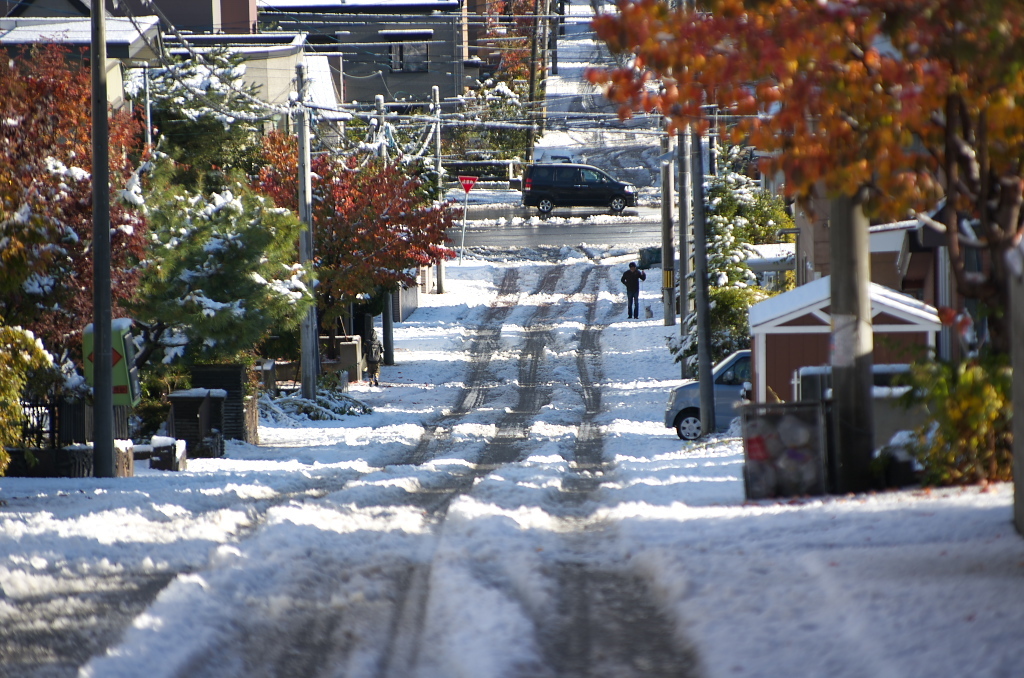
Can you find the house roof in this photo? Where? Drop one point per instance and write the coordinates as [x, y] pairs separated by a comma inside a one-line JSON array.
[[28, 7], [250, 46], [396, 7], [772, 257], [125, 40], [807, 306]]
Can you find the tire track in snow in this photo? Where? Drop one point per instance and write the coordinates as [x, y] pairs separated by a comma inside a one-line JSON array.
[[605, 622], [485, 342], [401, 656], [302, 628], [53, 634]]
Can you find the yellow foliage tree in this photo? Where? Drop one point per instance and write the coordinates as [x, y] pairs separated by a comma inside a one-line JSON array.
[[20, 353]]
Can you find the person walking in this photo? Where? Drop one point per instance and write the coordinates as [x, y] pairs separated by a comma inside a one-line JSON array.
[[374, 352], [631, 279]]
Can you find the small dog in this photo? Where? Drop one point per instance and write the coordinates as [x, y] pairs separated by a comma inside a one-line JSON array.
[[648, 313]]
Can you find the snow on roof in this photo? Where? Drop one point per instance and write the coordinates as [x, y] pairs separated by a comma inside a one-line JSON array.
[[803, 297], [78, 30], [322, 94], [249, 46], [819, 292], [774, 250], [370, 5], [905, 303], [406, 31], [904, 225]]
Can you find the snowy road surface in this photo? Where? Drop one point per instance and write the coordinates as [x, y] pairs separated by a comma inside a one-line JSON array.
[[513, 507]]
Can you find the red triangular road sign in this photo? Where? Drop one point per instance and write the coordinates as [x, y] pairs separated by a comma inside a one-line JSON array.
[[467, 182]]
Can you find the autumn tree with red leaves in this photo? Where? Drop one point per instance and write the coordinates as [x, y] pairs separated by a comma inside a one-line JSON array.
[[913, 100], [511, 24], [372, 224], [46, 191]]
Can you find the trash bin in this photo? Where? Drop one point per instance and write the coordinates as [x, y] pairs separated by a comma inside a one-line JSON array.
[[784, 449]]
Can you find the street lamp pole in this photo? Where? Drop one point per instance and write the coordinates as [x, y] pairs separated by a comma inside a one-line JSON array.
[[103, 377], [700, 282], [308, 331]]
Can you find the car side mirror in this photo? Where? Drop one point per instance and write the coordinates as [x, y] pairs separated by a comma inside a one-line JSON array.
[[748, 391]]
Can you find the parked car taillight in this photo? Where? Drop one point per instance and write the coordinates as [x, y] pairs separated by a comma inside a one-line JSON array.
[[528, 184]]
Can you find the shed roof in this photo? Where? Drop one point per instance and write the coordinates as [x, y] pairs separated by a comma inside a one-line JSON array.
[[808, 306]]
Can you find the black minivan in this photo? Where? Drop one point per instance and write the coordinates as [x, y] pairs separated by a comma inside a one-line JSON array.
[[570, 185]]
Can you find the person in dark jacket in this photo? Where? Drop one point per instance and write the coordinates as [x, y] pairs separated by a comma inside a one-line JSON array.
[[374, 352], [631, 279]]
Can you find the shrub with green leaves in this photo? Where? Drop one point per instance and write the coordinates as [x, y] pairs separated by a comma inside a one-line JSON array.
[[969, 438], [729, 323], [20, 354], [739, 214]]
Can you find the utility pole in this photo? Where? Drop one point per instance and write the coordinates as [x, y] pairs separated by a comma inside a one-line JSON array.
[[103, 376], [435, 96], [558, 11], [1015, 265], [533, 80], [700, 271], [308, 332], [544, 49], [668, 250], [380, 137], [435, 100], [852, 344], [149, 117], [388, 328], [683, 154]]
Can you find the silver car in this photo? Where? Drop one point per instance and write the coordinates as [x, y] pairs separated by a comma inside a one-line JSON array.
[[683, 410]]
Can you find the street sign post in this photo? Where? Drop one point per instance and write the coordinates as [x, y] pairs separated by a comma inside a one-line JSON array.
[[467, 185]]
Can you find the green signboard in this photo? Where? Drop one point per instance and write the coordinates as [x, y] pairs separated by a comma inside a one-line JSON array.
[[122, 360]]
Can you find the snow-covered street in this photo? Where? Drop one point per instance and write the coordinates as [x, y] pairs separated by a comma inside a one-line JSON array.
[[512, 507]]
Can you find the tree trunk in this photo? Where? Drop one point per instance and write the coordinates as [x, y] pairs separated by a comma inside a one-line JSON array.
[[852, 345]]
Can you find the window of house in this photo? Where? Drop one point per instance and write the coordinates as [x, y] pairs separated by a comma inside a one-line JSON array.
[[410, 57], [408, 49]]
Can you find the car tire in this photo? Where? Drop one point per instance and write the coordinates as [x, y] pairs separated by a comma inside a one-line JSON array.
[[617, 204], [688, 425], [545, 206]]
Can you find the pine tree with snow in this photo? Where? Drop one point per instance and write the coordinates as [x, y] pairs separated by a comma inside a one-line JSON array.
[[738, 213], [220, 273], [205, 116]]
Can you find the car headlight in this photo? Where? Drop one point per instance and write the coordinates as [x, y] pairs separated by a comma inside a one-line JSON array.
[[630, 189]]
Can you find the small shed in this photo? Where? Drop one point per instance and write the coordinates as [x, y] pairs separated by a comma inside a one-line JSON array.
[[794, 329]]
